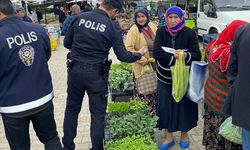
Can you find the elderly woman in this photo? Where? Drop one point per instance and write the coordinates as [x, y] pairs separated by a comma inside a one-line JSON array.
[[217, 88], [173, 116], [142, 34]]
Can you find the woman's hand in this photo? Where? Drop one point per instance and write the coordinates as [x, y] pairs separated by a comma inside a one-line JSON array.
[[179, 52], [143, 50]]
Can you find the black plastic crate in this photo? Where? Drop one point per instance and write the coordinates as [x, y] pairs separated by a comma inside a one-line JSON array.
[[121, 96], [107, 135]]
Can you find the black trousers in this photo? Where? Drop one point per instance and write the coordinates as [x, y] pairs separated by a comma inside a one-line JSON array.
[[83, 78], [17, 130]]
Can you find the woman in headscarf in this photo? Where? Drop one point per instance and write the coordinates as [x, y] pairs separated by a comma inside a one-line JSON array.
[[142, 34], [174, 116], [217, 88]]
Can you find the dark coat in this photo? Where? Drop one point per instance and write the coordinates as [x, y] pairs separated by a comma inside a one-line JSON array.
[[24, 73], [39, 15], [90, 38], [27, 19], [181, 116], [62, 16], [237, 103], [185, 40]]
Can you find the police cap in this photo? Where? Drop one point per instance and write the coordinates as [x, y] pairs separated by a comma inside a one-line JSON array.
[[117, 4]]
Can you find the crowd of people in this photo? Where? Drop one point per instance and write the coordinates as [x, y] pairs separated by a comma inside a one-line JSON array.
[[30, 15], [25, 50]]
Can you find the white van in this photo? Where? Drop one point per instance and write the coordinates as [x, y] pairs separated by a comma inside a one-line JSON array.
[[214, 15]]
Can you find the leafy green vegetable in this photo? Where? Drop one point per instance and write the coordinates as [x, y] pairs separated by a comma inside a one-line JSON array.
[[132, 143]]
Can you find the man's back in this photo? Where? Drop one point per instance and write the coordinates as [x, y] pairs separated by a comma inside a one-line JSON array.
[[24, 52], [244, 50], [92, 36], [238, 102], [26, 89], [89, 38]]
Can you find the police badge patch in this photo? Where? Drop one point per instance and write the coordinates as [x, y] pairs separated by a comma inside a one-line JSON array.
[[26, 54]]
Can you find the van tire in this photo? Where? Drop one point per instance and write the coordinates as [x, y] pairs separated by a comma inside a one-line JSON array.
[[213, 31]]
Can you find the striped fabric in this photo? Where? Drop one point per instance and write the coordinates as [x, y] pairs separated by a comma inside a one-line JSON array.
[[216, 88], [163, 74]]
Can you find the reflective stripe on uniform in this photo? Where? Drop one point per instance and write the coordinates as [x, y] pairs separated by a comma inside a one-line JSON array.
[[27, 106]]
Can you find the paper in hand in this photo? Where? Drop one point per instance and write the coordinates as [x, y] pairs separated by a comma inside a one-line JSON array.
[[168, 49], [171, 50]]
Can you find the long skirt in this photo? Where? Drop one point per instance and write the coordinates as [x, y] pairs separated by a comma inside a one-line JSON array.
[[211, 138], [174, 116]]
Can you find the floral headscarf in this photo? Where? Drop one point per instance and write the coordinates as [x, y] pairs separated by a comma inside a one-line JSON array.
[[219, 48]]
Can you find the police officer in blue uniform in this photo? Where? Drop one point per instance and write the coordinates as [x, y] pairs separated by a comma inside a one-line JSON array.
[[26, 89], [89, 38]]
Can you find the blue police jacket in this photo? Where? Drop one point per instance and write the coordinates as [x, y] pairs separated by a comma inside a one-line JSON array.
[[25, 81], [91, 35]]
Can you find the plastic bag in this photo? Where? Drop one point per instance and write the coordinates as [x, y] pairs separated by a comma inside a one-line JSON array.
[[231, 132], [197, 79], [180, 75]]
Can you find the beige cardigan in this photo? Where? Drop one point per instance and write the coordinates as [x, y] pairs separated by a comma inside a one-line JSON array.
[[134, 41]]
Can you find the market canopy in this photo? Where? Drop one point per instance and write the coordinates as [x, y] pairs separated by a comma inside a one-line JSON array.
[[39, 2], [16, 1], [45, 2]]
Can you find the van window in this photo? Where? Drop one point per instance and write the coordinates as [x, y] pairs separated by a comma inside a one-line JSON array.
[[208, 8], [205, 5]]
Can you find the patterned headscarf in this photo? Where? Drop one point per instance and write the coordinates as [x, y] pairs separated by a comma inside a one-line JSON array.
[[174, 30], [145, 12], [219, 48]]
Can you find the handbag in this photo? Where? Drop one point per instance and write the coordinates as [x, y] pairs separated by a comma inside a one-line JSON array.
[[197, 79], [147, 82]]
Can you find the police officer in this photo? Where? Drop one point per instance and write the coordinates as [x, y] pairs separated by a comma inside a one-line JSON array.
[[89, 38], [26, 89]]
